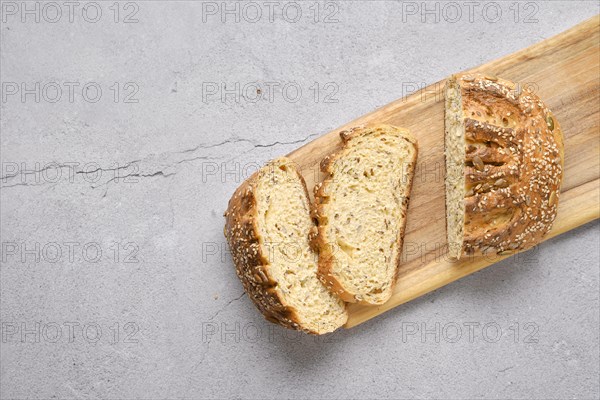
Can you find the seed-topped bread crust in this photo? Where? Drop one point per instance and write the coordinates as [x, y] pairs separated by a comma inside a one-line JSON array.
[[359, 238], [513, 164], [254, 262]]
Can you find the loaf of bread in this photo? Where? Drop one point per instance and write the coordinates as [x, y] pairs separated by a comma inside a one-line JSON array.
[[268, 223], [504, 166], [360, 209]]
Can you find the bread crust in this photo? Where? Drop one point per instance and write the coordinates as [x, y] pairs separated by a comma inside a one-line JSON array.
[[320, 240], [251, 264], [514, 165]]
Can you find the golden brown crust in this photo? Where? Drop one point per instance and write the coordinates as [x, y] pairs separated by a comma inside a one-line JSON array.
[[252, 266], [514, 165], [320, 241]]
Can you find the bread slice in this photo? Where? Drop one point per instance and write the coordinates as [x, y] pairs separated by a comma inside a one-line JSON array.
[[504, 166], [361, 212], [267, 226]]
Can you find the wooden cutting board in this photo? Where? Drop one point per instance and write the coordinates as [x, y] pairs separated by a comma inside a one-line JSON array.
[[565, 72]]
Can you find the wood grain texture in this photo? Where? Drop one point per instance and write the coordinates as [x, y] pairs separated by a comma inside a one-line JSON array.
[[565, 72]]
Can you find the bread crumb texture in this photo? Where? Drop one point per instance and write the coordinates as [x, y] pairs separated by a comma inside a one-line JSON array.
[[361, 212]]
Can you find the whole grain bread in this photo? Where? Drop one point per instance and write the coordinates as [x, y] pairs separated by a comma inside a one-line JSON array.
[[504, 166], [360, 209], [267, 227]]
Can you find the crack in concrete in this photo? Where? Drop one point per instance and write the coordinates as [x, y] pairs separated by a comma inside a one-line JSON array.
[[283, 143], [22, 184], [212, 146], [127, 165], [138, 175], [207, 349], [225, 306], [259, 145], [141, 161], [185, 160]]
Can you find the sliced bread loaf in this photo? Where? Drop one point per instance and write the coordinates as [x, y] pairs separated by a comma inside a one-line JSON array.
[[504, 166], [267, 226], [361, 212]]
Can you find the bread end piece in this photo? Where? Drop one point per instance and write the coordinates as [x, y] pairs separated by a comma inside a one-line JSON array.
[[267, 225]]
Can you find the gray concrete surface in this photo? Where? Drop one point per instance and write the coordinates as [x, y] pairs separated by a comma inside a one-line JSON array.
[[115, 279]]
